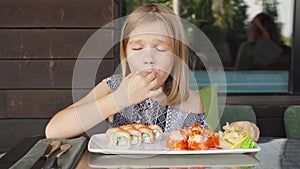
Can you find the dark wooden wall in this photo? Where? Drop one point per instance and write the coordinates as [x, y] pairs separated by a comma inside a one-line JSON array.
[[39, 44]]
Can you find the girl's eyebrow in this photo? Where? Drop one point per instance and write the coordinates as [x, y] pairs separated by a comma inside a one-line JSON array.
[[156, 40], [138, 40], [135, 41], [164, 41]]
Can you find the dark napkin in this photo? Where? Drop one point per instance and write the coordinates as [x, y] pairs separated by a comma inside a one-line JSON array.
[[68, 160], [291, 154]]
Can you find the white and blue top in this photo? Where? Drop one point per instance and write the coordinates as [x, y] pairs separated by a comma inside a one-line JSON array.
[[151, 112]]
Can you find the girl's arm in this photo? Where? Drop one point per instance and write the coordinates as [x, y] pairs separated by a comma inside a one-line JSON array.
[[101, 103], [83, 115]]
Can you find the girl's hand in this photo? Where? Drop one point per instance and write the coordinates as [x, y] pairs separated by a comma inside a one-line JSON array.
[[135, 88], [244, 125]]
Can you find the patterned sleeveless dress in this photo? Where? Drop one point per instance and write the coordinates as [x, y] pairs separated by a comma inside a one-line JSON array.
[[151, 112]]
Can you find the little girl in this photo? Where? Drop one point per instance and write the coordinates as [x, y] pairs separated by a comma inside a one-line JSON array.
[[153, 87]]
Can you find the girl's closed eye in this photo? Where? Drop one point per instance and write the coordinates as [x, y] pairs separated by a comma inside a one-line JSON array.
[[161, 48], [136, 47]]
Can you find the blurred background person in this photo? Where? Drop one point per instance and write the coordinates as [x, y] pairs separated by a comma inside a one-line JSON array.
[[264, 49]]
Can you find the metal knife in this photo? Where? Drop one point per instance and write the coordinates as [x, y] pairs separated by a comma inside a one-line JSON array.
[[53, 146]]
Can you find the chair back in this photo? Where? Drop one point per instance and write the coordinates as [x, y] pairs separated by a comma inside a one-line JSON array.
[[237, 113], [292, 121]]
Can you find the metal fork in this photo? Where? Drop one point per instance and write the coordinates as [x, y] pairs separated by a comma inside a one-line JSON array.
[[63, 149]]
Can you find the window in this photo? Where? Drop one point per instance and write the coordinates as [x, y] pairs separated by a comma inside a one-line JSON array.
[[253, 61]]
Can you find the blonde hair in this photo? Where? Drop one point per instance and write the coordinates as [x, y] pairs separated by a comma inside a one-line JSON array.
[[176, 87]]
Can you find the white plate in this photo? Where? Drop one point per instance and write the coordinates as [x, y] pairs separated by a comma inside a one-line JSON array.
[[97, 144]]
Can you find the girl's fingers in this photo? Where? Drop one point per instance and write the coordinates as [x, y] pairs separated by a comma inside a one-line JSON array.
[[240, 125], [256, 131], [147, 75], [143, 73], [151, 76], [153, 84], [155, 93]]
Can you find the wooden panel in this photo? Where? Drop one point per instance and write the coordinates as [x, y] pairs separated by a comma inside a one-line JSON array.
[[26, 74], [37, 103], [3, 105], [281, 100], [40, 42], [269, 111], [56, 13], [50, 43]]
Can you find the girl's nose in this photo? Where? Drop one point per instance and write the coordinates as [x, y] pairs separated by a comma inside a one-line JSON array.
[[149, 59], [148, 62]]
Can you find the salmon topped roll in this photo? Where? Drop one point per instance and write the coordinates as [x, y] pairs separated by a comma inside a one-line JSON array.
[[136, 136], [110, 132], [133, 134], [120, 139], [158, 132], [147, 135]]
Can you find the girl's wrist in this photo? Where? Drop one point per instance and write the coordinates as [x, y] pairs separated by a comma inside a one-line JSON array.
[[119, 100]]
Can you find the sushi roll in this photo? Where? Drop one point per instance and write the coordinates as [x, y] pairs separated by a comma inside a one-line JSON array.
[[110, 133], [158, 133], [120, 139], [147, 135], [136, 136]]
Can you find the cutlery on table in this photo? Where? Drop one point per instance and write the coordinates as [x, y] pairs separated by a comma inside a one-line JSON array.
[[63, 149], [53, 146]]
